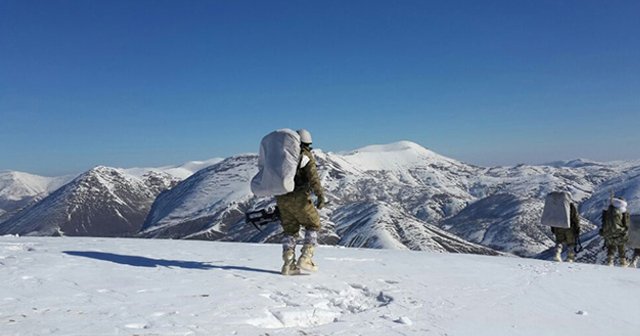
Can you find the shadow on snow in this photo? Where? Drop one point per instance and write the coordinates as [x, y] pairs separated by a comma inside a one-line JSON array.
[[149, 262]]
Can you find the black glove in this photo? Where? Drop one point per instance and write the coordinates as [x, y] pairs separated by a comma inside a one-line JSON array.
[[320, 202]]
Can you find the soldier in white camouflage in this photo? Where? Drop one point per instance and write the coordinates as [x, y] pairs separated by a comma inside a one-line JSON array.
[[615, 230], [297, 210]]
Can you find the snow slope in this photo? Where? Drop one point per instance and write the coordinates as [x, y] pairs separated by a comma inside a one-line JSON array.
[[212, 195], [626, 185], [99, 286], [18, 189], [179, 171], [378, 225], [16, 185]]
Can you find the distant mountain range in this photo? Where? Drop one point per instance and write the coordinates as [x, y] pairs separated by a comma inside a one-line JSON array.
[[103, 201], [19, 190], [399, 195]]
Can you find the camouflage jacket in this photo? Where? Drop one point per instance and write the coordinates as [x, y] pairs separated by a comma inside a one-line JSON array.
[[307, 179], [615, 226]]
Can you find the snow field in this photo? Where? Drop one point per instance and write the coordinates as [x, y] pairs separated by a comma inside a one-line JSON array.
[[95, 286]]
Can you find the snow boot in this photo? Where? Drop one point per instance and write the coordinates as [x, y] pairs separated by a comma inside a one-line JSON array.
[[558, 255], [624, 262], [610, 261], [571, 255], [634, 262], [289, 267], [305, 262]]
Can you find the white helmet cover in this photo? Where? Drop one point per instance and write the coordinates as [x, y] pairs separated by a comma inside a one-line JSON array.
[[305, 136], [619, 204]]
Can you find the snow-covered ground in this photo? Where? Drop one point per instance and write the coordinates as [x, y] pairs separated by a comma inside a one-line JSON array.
[[98, 286]]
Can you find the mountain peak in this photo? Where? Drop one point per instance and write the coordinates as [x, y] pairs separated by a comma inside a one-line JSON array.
[[399, 146], [16, 175], [575, 163], [16, 185], [101, 169], [394, 156]]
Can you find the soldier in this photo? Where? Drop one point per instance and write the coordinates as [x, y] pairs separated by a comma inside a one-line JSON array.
[[297, 209], [568, 236], [615, 230]]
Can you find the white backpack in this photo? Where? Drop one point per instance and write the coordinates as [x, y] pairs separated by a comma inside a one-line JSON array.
[[557, 211], [277, 165]]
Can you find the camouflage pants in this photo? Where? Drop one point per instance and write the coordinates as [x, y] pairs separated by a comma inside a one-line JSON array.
[[297, 210], [565, 236], [616, 239], [611, 251]]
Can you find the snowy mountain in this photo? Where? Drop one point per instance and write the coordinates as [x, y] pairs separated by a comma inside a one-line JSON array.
[[104, 286], [498, 207], [379, 225], [215, 195], [143, 185], [178, 171], [211, 205], [18, 190], [101, 202], [404, 174], [626, 185]]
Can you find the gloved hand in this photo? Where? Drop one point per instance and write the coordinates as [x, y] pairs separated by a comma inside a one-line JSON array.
[[320, 202]]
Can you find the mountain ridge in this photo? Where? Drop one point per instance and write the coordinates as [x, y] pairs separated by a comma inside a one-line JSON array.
[[495, 207]]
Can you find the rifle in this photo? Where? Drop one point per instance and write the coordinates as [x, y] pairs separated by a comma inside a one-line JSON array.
[[262, 217], [578, 247], [265, 216]]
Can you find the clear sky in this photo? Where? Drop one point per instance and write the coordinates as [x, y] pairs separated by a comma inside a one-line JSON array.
[[150, 83]]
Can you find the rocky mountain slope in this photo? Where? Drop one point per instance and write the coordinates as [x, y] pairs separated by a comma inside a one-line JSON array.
[[101, 202]]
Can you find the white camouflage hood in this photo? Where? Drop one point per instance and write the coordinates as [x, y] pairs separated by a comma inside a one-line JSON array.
[[619, 204]]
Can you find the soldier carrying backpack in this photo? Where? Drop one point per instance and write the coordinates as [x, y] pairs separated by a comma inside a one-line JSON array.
[[568, 236], [287, 170], [615, 230], [561, 215]]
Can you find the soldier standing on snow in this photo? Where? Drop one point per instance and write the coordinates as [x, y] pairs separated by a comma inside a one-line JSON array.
[[568, 236], [297, 210], [615, 230]]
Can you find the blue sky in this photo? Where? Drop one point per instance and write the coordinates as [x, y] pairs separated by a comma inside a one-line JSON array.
[[150, 83]]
